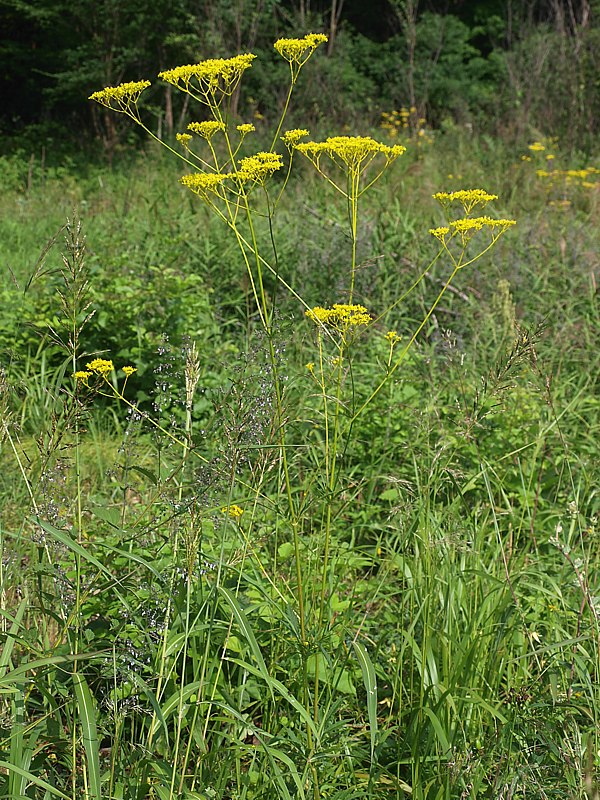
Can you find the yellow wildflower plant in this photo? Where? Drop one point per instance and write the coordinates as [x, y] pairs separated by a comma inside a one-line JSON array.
[[245, 128], [210, 80], [122, 98], [352, 155], [536, 147], [128, 371], [233, 511]]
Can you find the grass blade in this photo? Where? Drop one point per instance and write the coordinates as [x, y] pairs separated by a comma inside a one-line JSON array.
[[370, 683], [87, 718], [34, 779]]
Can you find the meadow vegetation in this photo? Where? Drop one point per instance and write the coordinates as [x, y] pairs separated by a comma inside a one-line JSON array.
[[299, 467]]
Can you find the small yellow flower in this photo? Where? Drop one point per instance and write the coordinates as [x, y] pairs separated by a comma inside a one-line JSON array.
[[247, 127], [235, 512], [392, 337], [128, 371], [439, 233], [82, 376], [311, 367], [100, 366], [536, 147]]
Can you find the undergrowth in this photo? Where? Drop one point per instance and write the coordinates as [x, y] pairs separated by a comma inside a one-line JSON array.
[[332, 532]]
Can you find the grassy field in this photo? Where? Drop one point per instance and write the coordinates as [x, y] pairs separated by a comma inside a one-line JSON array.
[[291, 556]]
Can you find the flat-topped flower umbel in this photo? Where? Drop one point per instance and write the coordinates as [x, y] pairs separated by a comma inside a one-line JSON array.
[[120, 98], [210, 80], [340, 316], [352, 151]]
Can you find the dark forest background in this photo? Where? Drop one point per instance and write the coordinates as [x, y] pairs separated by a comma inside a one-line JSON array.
[[504, 67]]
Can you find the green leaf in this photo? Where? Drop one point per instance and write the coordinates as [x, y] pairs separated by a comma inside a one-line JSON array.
[[370, 683], [337, 604], [245, 628], [111, 515], [285, 551], [147, 474], [34, 779], [89, 732]]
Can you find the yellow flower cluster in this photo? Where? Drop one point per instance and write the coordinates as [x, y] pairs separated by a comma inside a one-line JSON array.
[[395, 121], [340, 316], [233, 511], [468, 198], [392, 337], [351, 150], [184, 139], [252, 169], [298, 51], [571, 176], [258, 167], [536, 147], [246, 127], [203, 183], [206, 129], [100, 366], [439, 233], [291, 138], [477, 223], [122, 97], [468, 226], [215, 75]]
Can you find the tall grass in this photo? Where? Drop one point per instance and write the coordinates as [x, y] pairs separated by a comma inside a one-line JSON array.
[[230, 575]]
